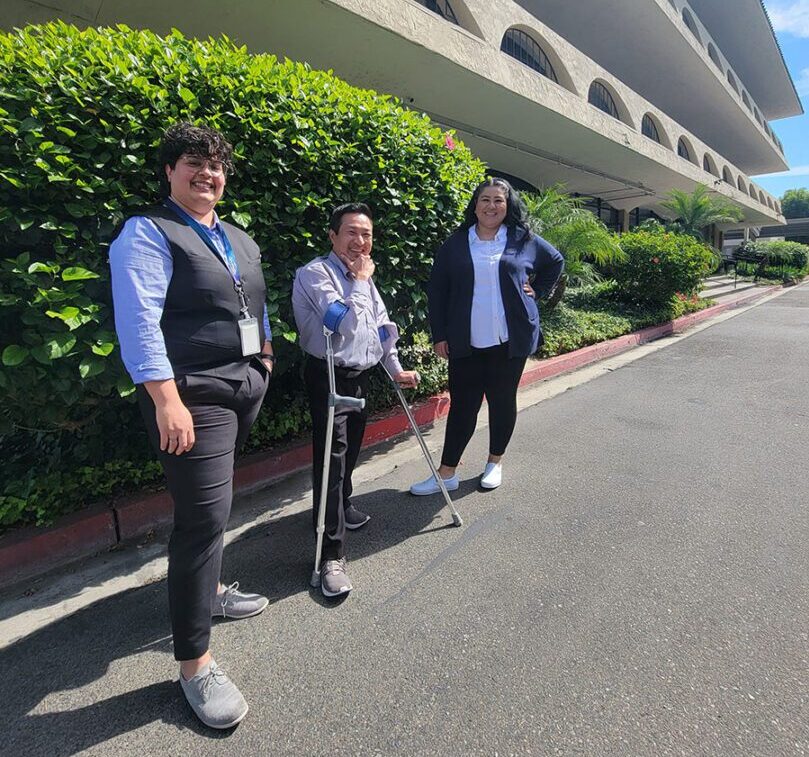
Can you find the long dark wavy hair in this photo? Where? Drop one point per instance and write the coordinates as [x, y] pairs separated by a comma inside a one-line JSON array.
[[516, 219]]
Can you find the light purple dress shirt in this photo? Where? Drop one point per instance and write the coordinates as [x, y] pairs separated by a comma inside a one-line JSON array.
[[357, 344]]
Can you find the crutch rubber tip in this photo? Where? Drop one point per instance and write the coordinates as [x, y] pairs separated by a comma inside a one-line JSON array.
[[457, 520], [314, 581]]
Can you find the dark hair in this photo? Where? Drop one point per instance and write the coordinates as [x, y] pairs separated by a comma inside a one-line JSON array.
[[516, 215], [186, 139], [342, 210]]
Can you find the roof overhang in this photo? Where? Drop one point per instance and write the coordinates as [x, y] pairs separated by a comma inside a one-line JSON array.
[[747, 39]]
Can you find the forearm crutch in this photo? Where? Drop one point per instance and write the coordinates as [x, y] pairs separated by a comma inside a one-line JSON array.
[[331, 322], [456, 518]]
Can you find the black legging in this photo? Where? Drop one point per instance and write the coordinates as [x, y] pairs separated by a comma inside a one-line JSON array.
[[490, 372]]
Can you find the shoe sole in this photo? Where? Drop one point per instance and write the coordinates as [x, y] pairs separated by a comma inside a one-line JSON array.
[[435, 491], [355, 526], [242, 617], [228, 725], [489, 486], [331, 595]]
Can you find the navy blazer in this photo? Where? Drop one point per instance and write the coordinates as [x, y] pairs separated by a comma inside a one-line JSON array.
[[527, 258]]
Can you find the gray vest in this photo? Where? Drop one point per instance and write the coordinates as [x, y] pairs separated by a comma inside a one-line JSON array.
[[201, 311]]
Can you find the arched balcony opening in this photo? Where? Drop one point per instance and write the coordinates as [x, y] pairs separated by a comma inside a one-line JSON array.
[[746, 101], [688, 20], [709, 165], [727, 176], [686, 150], [732, 82], [652, 128], [741, 185], [602, 96], [454, 11], [714, 56]]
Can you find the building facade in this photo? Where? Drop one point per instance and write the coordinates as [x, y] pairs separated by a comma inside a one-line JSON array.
[[620, 101]]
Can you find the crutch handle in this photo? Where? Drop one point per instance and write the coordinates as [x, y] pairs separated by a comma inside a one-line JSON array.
[[339, 399]]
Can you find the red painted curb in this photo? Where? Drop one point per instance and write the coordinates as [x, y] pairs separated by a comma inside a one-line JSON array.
[[28, 552], [138, 516]]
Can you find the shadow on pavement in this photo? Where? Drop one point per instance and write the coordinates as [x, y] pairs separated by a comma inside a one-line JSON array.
[[274, 558]]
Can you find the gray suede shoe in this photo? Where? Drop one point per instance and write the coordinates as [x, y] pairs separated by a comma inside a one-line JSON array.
[[333, 579], [355, 518], [214, 697], [232, 603]]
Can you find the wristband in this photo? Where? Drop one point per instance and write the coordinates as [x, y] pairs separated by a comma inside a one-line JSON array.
[[267, 356]]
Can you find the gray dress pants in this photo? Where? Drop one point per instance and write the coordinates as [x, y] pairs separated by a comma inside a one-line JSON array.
[[200, 482]]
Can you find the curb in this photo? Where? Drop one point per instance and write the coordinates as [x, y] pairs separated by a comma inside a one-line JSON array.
[[30, 551]]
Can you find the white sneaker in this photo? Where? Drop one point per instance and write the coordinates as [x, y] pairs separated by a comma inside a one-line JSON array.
[[492, 476], [430, 486]]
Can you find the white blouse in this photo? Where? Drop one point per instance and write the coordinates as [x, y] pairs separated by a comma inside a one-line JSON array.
[[488, 326]]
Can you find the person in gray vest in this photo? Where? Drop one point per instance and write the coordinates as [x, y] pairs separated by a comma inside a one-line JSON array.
[[366, 337], [190, 312]]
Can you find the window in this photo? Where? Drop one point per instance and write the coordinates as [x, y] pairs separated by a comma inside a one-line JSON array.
[[741, 185], [769, 202], [442, 8], [752, 190], [746, 101], [519, 45], [600, 97], [714, 56], [649, 128], [757, 116], [732, 82], [727, 176], [707, 165], [761, 198], [688, 20], [682, 149]]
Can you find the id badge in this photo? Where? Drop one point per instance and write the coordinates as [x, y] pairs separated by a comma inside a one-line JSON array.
[[248, 333]]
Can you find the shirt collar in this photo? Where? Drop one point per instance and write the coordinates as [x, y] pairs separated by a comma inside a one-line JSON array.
[[186, 216], [338, 264], [499, 237]]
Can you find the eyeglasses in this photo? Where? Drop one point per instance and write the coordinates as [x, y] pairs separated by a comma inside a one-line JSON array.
[[216, 167]]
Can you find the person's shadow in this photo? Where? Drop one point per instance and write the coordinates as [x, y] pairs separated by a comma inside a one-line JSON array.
[[274, 558]]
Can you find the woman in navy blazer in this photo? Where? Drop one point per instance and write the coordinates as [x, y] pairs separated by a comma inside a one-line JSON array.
[[484, 319]]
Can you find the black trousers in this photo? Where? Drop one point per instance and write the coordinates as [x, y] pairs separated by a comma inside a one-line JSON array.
[[201, 484], [490, 372], [349, 428]]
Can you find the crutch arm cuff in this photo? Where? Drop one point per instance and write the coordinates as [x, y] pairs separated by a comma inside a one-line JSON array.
[[334, 315]]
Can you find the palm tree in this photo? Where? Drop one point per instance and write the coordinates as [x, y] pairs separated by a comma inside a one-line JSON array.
[[577, 233], [697, 211]]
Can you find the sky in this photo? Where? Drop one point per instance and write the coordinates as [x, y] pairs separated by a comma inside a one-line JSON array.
[[790, 19]]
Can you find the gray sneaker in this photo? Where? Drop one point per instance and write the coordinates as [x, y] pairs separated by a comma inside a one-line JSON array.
[[333, 579], [214, 697], [232, 603], [355, 518]]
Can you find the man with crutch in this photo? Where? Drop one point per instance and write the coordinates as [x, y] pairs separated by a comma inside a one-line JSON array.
[[365, 337]]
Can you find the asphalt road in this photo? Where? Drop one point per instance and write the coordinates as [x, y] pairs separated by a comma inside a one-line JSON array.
[[638, 586]]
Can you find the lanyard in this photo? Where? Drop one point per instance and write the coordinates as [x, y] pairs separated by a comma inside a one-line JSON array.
[[230, 257]]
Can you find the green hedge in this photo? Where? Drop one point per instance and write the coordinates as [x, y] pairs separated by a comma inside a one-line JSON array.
[[659, 265], [80, 120]]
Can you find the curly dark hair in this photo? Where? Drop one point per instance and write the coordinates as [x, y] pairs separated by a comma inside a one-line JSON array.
[[186, 139], [516, 215]]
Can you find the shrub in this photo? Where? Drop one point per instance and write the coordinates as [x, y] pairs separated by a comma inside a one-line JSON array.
[[660, 264], [785, 253], [81, 117]]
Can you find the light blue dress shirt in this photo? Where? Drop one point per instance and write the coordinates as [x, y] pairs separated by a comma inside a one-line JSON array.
[[141, 266]]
